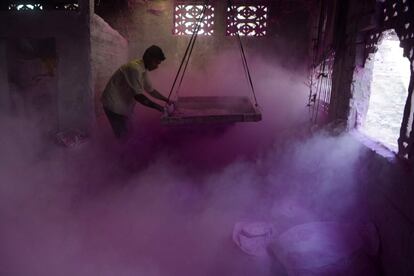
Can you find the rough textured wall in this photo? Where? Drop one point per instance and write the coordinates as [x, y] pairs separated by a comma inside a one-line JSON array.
[[145, 23], [344, 64], [350, 96], [71, 33], [361, 90], [391, 197], [391, 77], [109, 51], [354, 17], [361, 25], [406, 141]]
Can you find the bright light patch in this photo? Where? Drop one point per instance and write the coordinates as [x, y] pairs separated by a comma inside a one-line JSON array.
[[21, 7], [247, 20], [25, 7], [389, 90], [186, 18], [71, 7]]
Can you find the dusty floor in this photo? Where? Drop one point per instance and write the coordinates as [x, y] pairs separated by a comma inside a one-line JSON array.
[[167, 204]]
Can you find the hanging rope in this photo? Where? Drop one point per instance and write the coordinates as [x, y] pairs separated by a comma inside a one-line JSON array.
[[244, 60], [197, 29], [188, 51], [186, 58]]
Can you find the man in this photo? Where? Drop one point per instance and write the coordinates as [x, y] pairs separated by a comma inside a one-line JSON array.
[[128, 85]]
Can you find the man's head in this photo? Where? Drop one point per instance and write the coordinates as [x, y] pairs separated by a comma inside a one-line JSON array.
[[153, 56]]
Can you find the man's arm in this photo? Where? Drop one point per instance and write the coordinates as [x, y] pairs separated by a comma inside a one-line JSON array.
[[154, 93], [147, 102]]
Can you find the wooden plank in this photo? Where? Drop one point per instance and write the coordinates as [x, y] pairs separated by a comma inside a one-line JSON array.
[[204, 110]]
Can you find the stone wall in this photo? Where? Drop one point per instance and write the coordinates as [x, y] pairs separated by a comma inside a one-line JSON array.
[[390, 179], [361, 26], [390, 199], [361, 90]]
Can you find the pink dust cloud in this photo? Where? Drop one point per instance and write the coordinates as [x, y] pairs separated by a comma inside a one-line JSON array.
[[281, 95], [166, 202], [74, 213]]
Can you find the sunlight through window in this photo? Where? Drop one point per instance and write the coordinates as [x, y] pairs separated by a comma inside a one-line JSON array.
[[389, 90], [26, 7], [247, 20], [186, 18]]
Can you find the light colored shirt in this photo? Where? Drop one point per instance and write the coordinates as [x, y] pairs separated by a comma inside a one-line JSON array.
[[128, 81]]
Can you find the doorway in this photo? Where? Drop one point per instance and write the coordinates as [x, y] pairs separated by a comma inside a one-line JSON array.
[[389, 90]]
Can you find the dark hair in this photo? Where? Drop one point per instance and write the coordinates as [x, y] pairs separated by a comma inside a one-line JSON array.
[[154, 52]]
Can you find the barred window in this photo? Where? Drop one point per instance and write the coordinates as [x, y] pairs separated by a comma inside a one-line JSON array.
[[247, 20], [25, 7], [39, 5], [186, 18]]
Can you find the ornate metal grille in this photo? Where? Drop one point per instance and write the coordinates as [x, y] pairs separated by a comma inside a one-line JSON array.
[[247, 20], [320, 84], [397, 15], [40, 5], [186, 18], [371, 42], [67, 7], [25, 7], [395, 11]]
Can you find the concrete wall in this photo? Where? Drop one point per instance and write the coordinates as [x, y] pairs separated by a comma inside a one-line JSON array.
[[389, 179], [71, 33], [109, 51], [361, 91], [390, 197], [144, 24], [348, 76]]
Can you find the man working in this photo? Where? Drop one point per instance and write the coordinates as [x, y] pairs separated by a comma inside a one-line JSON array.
[[127, 85]]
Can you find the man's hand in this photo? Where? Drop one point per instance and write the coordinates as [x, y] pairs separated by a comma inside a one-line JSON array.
[[172, 104], [169, 109]]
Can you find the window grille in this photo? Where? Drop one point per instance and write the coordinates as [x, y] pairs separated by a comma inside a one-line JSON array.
[[39, 5], [247, 20], [186, 18]]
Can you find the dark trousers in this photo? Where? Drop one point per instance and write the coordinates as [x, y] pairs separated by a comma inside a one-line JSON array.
[[119, 123]]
